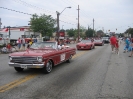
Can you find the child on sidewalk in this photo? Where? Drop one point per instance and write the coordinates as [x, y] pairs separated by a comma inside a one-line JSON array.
[[127, 43]]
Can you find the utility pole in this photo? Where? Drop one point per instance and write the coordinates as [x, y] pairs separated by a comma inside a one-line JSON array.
[[9, 31], [58, 24], [93, 27], [0, 23], [78, 22]]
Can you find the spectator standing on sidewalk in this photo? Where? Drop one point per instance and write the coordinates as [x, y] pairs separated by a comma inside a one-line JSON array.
[[19, 43], [23, 43], [113, 40], [8, 46], [131, 48]]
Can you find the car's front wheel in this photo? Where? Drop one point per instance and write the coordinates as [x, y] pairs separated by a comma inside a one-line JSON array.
[[18, 69], [48, 68], [69, 60]]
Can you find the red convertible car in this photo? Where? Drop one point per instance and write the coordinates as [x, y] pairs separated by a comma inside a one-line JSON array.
[[85, 44], [43, 55], [99, 42]]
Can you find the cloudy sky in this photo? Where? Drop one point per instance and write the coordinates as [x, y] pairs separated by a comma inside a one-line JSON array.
[[107, 14]]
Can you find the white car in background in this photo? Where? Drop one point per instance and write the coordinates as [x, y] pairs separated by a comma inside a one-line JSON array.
[[105, 39]]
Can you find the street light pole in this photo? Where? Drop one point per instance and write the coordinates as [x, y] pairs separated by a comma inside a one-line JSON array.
[[78, 23], [58, 26], [93, 27]]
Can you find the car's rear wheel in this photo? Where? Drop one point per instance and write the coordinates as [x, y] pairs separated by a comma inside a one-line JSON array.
[[48, 68], [18, 69], [69, 60]]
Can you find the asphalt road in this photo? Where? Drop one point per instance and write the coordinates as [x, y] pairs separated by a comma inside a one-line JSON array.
[[92, 74]]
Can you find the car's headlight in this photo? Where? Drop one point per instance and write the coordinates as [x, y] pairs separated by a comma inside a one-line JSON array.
[[39, 59], [10, 58]]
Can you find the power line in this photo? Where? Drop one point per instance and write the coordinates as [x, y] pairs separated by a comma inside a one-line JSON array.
[[15, 11], [30, 14], [32, 6]]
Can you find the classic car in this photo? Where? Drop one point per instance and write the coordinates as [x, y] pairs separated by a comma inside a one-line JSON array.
[[85, 44], [42, 55], [98, 42]]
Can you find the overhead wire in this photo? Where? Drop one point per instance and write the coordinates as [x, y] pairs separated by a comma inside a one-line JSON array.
[[30, 14], [15, 11], [74, 5], [33, 6]]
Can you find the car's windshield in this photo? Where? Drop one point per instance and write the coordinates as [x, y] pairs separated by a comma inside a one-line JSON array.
[[97, 40], [43, 45], [85, 41], [105, 37]]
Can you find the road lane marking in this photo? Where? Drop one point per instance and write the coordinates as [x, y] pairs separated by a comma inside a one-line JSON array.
[[79, 54], [16, 82], [26, 78]]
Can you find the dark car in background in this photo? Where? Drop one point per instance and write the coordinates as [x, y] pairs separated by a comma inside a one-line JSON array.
[[106, 39]]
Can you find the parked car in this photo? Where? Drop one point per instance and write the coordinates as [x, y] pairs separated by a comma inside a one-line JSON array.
[[99, 42], [43, 55], [106, 39], [85, 44]]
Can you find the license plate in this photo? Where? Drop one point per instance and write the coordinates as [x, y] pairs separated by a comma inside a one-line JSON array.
[[82, 47], [23, 66]]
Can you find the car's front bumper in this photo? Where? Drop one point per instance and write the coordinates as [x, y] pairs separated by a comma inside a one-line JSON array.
[[26, 65], [83, 47]]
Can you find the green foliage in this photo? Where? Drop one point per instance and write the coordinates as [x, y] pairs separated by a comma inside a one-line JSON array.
[[129, 30], [71, 32], [43, 24], [99, 33], [3, 45], [89, 32], [121, 35]]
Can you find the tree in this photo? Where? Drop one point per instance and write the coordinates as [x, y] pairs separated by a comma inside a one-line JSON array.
[[89, 32], [70, 32], [44, 24], [99, 33], [129, 31]]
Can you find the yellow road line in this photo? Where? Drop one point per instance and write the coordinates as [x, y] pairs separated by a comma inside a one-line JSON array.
[[16, 82], [79, 54], [26, 78]]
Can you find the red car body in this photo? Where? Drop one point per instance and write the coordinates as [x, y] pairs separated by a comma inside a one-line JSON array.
[[99, 42], [85, 44], [43, 55]]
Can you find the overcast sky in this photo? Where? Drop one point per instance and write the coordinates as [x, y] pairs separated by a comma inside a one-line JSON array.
[[107, 14]]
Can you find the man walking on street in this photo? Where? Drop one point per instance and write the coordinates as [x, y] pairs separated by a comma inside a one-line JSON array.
[[113, 40]]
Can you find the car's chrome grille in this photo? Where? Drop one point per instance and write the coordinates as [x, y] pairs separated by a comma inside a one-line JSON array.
[[25, 60]]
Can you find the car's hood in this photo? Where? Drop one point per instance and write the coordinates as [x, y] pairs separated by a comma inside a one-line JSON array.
[[105, 39], [98, 42], [84, 43], [32, 53]]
